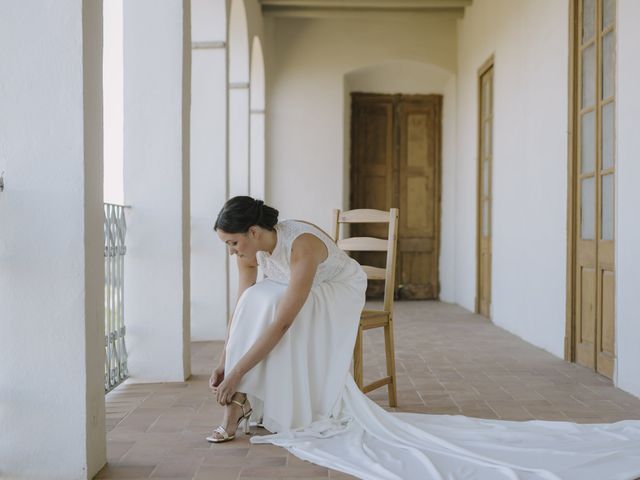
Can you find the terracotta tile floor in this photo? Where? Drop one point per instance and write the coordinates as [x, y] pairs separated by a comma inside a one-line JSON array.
[[449, 361]]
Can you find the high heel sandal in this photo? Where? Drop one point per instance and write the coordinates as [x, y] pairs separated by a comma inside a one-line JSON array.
[[225, 435]]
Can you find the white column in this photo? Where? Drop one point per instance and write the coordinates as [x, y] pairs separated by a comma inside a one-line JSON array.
[[627, 232], [208, 169], [51, 241], [157, 60]]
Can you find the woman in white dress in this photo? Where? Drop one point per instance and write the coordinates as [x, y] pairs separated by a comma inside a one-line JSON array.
[[286, 361], [292, 371]]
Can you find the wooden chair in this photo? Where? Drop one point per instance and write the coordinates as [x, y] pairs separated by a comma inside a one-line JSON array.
[[374, 318]]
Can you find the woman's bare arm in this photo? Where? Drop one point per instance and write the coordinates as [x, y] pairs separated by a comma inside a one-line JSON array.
[[307, 253]]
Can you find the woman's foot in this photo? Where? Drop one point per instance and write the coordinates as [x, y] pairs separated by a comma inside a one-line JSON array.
[[237, 411]]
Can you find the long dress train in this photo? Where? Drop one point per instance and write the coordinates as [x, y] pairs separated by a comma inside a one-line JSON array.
[[304, 392]]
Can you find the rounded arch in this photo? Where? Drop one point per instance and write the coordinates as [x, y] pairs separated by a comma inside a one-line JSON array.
[[257, 122], [208, 151], [398, 76], [257, 82], [238, 43]]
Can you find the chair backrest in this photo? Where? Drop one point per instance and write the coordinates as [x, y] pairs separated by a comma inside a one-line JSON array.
[[369, 244]]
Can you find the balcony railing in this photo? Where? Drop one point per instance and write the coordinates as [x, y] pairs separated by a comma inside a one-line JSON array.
[[115, 228]]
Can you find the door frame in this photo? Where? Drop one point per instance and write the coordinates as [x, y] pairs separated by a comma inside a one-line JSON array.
[[395, 199], [573, 173], [572, 154], [488, 64]]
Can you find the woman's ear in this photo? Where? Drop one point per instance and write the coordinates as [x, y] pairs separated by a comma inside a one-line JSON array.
[[253, 232]]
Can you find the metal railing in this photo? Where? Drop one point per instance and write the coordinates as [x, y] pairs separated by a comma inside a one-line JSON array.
[[115, 228]]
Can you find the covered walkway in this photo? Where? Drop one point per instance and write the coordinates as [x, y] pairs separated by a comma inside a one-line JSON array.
[[449, 361]]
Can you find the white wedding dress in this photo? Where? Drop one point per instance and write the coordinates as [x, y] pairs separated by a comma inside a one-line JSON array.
[[303, 391]]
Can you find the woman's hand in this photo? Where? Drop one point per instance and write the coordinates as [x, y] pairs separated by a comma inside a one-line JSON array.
[[227, 388], [217, 376]]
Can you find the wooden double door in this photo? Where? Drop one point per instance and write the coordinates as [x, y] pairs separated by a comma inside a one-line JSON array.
[[396, 162]]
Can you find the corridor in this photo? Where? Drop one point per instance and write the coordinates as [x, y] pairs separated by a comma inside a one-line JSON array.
[[449, 361]]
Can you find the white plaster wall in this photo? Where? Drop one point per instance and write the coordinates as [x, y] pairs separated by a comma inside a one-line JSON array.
[[307, 60], [51, 267], [156, 181], [208, 20], [628, 198], [417, 78], [208, 171], [256, 155], [529, 40]]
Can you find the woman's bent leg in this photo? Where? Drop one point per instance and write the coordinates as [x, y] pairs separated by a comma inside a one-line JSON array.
[[255, 310]]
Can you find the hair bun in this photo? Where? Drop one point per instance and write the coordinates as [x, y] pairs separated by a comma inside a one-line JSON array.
[[259, 211], [240, 213]]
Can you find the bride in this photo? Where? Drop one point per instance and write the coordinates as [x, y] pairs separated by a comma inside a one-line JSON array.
[[286, 363]]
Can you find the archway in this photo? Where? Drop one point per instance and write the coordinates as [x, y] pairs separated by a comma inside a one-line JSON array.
[[238, 100], [411, 77], [257, 121], [208, 165]]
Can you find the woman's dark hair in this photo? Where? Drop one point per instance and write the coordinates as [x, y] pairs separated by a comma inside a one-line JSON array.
[[241, 213]]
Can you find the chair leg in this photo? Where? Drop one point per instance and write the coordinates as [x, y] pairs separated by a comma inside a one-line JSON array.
[[357, 359], [391, 362]]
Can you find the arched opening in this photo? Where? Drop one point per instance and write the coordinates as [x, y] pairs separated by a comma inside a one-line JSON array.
[[238, 125], [208, 165], [238, 100], [257, 122], [417, 78]]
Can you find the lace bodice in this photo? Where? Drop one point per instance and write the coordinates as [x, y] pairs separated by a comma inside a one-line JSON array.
[[277, 266]]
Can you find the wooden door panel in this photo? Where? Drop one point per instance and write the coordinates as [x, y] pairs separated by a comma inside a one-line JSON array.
[[419, 195], [374, 197], [605, 346], [422, 210], [606, 343], [485, 268], [416, 270], [372, 150], [587, 306]]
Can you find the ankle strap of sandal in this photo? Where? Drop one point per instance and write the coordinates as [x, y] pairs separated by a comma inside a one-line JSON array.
[[241, 404]]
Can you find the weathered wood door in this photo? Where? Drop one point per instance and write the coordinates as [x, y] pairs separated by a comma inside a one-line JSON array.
[[395, 162], [593, 188]]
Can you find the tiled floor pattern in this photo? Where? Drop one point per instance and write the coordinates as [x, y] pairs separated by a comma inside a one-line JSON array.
[[449, 361]]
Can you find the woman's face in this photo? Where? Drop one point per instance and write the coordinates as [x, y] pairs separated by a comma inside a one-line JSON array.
[[241, 244]]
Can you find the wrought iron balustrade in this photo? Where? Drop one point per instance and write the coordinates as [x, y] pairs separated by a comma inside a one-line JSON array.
[[115, 228]]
